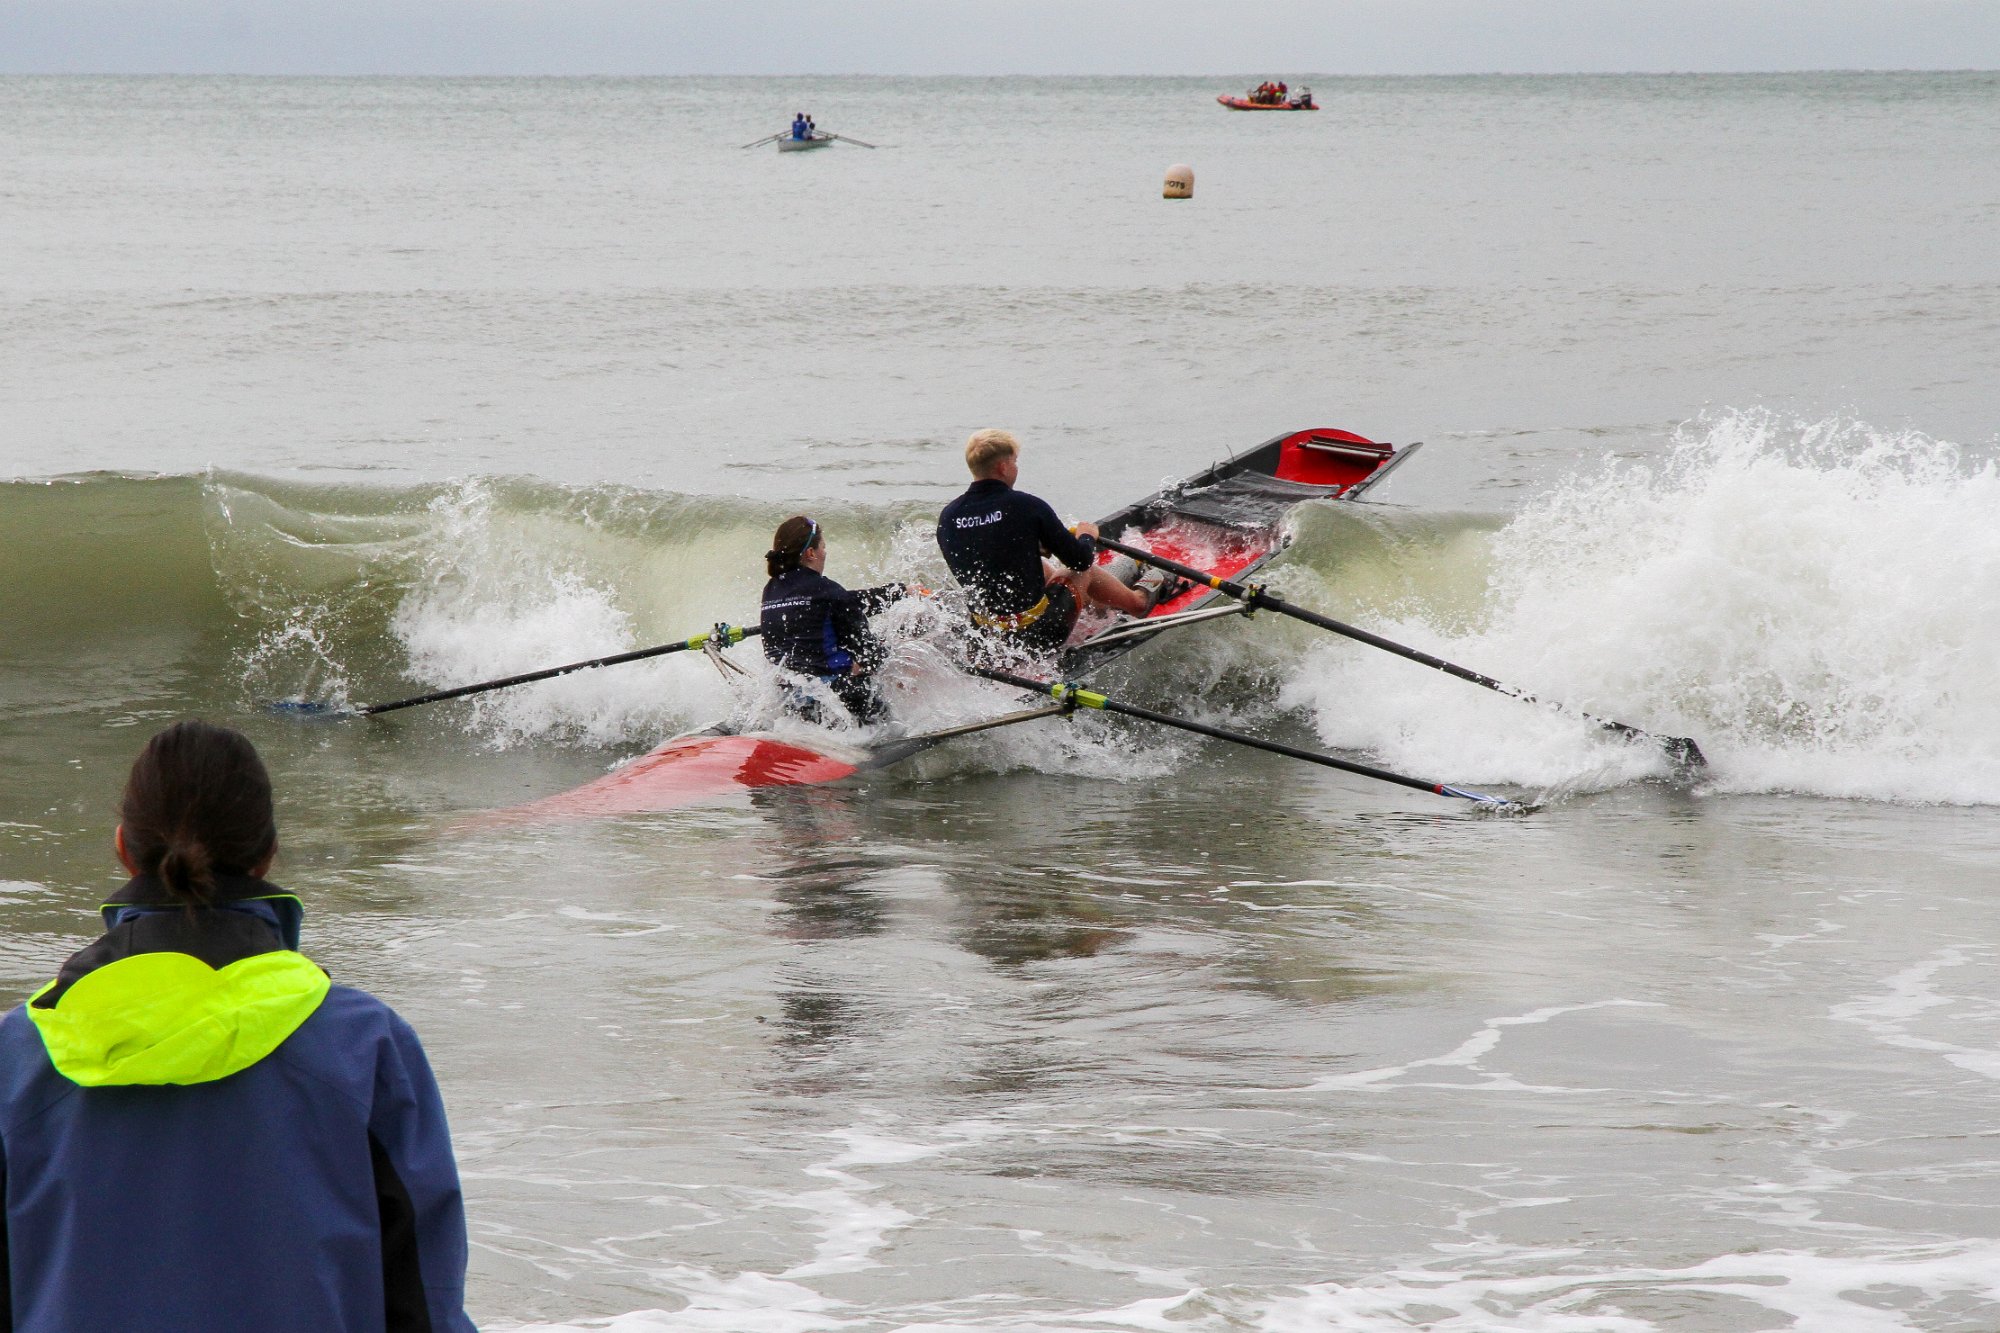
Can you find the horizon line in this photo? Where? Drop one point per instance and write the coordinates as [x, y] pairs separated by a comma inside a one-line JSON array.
[[852, 74]]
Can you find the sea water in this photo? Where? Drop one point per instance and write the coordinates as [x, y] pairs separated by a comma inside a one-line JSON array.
[[352, 389]]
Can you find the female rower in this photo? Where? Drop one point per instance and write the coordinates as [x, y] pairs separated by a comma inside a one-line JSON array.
[[814, 627], [197, 1129]]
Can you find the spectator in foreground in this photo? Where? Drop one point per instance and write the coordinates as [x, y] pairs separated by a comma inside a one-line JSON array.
[[197, 1129]]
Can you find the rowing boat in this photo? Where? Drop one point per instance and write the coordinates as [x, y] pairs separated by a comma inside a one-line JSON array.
[[817, 139], [1229, 519], [1212, 530]]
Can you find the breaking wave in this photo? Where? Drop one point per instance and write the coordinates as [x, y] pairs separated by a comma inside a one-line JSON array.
[[1810, 601]]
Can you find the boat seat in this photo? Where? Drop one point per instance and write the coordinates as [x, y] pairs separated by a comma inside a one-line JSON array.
[[1247, 500], [1359, 451]]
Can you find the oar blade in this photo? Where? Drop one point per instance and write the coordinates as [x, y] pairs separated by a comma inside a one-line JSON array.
[[1685, 755], [1498, 805], [311, 708]]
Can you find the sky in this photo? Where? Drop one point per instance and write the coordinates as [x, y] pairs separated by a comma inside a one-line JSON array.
[[790, 37]]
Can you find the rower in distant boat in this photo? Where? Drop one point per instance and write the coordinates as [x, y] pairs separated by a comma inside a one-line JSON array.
[[801, 126], [994, 538], [815, 628]]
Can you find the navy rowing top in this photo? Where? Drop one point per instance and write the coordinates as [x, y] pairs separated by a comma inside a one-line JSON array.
[[813, 626], [993, 537]]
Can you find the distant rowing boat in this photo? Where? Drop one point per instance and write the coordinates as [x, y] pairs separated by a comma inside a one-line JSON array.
[[789, 143]]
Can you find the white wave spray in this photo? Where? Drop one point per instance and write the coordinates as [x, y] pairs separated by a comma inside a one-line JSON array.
[[503, 592], [1813, 602]]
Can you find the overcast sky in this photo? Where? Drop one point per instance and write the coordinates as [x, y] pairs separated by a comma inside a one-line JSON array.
[[990, 36]]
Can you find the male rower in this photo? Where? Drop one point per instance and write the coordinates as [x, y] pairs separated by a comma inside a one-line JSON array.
[[994, 537]]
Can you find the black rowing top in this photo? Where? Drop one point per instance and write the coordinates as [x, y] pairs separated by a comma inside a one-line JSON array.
[[993, 537]]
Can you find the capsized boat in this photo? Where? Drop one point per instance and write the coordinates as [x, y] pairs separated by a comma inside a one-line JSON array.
[[1228, 519]]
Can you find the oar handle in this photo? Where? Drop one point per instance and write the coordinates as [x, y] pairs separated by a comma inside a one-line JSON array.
[[1681, 749], [1077, 696], [1188, 572], [731, 634]]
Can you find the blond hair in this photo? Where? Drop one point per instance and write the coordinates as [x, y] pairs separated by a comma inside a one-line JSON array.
[[987, 447]]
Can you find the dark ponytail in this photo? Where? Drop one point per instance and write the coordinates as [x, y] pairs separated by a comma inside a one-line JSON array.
[[795, 536], [198, 805]]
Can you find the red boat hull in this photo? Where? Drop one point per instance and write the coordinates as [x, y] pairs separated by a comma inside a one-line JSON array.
[[1245, 104], [688, 770]]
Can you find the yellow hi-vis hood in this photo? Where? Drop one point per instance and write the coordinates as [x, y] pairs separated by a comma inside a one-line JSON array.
[[178, 994], [170, 1018]]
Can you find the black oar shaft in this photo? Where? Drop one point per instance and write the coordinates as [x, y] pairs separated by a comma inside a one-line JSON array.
[[732, 635], [895, 752], [1092, 699], [1681, 748], [1262, 599]]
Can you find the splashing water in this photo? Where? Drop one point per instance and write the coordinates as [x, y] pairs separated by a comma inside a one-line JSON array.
[[1810, 601], [502, 593]]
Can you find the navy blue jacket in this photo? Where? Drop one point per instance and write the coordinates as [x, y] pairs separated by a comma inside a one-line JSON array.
[[813, 626], [993, 537], [313, 1191]]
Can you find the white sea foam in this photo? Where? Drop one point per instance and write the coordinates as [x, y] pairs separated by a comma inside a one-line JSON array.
[[1813, 602], [1827, 1293], [1898, 1290], [1910, 995], [1469, 1054], [851, 1225]]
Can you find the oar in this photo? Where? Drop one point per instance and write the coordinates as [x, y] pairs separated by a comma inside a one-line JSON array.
[[725, 635], [1681, 750], [856, 142], [766, 139], [1077, 696], [895, 752]]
